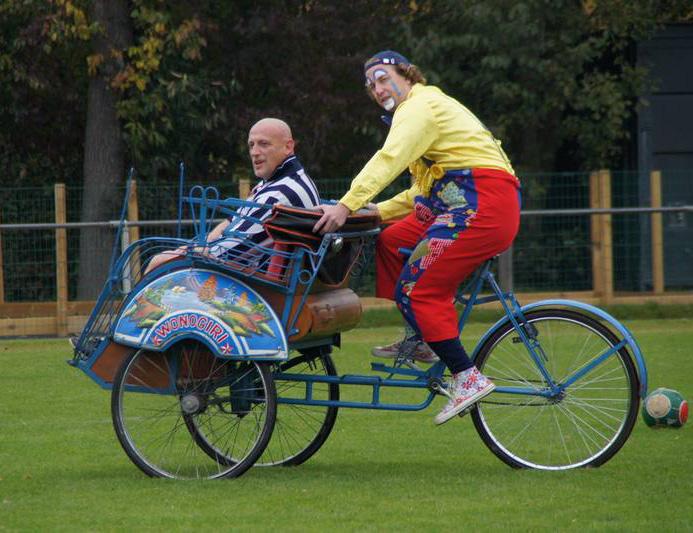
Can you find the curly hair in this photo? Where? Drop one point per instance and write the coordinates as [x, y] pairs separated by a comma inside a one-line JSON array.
[[411, 72]]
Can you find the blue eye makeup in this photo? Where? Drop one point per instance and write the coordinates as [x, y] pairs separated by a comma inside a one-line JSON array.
[[378, 74]]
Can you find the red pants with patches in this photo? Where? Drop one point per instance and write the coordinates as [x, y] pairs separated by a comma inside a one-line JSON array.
[[448, 247]]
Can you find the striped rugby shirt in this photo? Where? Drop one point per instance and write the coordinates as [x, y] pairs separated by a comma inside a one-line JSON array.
[[288, 185]]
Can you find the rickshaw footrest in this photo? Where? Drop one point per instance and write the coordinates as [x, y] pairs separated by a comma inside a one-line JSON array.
[[355, 379]]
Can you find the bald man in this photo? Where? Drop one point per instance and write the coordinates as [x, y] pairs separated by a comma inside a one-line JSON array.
[[282, 181]]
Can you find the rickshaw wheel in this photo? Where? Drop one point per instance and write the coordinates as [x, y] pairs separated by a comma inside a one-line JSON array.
[[301, 430], [164, 404]]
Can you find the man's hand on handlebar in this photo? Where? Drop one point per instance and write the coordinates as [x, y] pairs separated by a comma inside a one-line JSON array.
[[333, 218]]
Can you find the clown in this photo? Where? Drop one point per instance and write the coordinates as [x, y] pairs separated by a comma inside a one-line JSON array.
[[462, 209]]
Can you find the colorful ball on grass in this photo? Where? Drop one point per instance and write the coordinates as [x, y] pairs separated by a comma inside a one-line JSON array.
[[665, 408]]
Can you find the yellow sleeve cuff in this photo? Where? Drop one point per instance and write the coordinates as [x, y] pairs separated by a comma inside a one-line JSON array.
[[399, 205], [352, 201], [389, 210]]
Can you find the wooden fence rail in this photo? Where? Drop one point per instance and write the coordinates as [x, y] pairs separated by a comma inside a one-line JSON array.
[[64, 317]]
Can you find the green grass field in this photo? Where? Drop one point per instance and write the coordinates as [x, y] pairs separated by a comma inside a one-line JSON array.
[[61, 467]]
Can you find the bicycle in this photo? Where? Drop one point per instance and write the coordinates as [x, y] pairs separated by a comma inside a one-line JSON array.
[[218, 364]]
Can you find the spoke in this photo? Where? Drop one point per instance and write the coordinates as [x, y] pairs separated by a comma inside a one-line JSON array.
[[584, 436], [579, 356], [288, 433], [584, 405], [585, 423], [158, 413], [504, 369], [297, 426], [560, 434], [528, 425], [506, 414], [598, 378], [519, 355], [308, 412]]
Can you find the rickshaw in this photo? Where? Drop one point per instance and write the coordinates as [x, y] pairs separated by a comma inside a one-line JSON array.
[[216, 364]]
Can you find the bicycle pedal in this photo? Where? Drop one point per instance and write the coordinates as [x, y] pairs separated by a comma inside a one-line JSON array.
[[410, 363], [466, 411]]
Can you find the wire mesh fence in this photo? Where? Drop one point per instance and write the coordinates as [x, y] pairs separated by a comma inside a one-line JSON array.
[[677, 227], [28, 256], [553, 252]]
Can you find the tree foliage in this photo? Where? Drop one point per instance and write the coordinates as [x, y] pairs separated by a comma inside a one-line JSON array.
[[555, 80], [198, 78], [42, 82]]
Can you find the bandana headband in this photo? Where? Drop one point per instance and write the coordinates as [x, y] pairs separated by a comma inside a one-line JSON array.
[[387, 57]]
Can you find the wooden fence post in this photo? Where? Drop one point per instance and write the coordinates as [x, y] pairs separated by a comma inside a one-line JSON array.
[[657, 234], [606, 237], [2, 272], [596, 237], [133, 212], [134, 231], [243, 188], [60, 261]]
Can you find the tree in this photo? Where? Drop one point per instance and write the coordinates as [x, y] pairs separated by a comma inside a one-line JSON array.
[[104, 156]]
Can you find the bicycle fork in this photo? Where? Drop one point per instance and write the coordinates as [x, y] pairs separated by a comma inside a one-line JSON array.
[[527, 333]]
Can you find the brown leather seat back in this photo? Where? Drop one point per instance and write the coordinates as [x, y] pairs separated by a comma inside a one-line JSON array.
[[291, 226]]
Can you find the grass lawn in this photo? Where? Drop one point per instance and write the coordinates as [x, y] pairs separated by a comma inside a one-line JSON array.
[[61, 467]]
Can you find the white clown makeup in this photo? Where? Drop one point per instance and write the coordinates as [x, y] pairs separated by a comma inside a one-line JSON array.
[[381, 75]]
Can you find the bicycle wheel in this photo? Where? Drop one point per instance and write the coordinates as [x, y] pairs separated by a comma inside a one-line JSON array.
[[301, 430], [586, 424], [159, 396]]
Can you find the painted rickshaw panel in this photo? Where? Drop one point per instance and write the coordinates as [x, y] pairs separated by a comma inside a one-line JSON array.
[[232, 319]]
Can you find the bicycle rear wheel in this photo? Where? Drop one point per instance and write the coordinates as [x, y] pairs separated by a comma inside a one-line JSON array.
[[186, 414], [583, 426]]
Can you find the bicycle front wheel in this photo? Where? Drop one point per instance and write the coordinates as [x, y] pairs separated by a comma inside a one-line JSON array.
[[584, 425], [186, 414]]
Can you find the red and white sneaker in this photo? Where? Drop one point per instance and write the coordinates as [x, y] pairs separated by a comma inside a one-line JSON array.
[[422, 352], [467, 388]]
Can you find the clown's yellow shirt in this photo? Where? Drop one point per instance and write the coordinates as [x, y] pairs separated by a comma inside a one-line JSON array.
[[432, 125]]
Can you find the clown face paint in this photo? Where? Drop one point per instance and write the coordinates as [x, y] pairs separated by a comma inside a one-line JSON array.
[[389, 103], [387, 86]]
